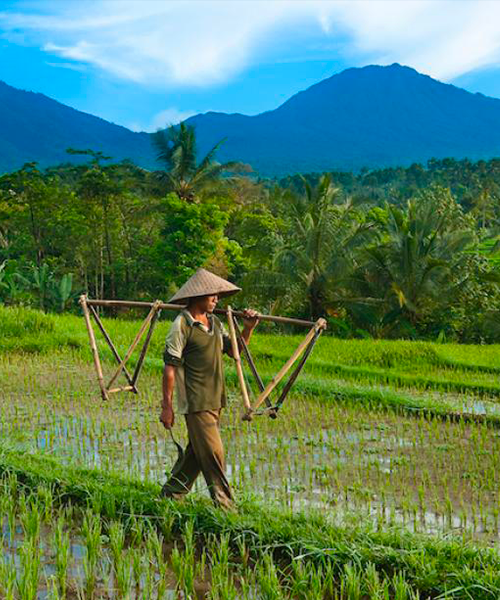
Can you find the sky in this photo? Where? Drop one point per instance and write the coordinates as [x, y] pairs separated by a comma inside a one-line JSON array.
[[145, 64]]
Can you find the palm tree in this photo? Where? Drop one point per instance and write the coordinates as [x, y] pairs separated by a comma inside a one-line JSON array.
[[315, 258], [420, 261], [176, 147]]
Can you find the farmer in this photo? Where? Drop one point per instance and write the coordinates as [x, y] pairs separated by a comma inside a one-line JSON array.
[[193, 365]]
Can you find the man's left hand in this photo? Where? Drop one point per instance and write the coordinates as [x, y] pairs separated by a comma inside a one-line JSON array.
[[250, 319]]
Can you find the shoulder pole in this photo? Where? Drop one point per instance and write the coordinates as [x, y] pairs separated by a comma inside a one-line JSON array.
[[239, 369]]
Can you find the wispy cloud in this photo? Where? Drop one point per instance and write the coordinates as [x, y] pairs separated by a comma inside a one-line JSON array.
[[205, 42], [163, 119]]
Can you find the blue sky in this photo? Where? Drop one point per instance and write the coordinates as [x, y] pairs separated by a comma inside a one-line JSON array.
[[146, 63]]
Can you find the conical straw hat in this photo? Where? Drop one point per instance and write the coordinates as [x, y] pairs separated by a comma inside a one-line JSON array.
[[204, 283]]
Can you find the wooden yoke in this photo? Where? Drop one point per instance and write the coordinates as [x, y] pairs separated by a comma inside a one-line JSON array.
[[239, 369], [304, 349]]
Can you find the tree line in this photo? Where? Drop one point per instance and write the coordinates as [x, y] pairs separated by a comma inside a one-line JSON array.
[[401, 252]]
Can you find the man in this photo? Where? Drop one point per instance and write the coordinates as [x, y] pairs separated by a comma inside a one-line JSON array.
[[193, 365]]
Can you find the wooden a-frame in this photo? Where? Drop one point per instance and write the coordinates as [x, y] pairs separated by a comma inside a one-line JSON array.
[[304, 349], [148, 324]]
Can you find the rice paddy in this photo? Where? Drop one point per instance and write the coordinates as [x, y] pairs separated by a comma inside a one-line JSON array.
[[401, 439]]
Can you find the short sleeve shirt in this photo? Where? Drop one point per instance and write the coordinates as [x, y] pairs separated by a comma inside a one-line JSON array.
[[196, 352]]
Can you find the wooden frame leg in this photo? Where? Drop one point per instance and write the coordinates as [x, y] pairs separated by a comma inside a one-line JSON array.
[[93, 346], [113, 349], [296, 371], [145, 347], [239, 369], [137, 338], [320, 324], [253, 368]]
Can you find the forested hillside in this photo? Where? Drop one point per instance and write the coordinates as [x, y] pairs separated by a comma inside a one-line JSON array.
[[362, 117], [391, 253], [35, 127]]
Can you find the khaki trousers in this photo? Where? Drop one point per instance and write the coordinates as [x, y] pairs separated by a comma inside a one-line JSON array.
[[205, 454]]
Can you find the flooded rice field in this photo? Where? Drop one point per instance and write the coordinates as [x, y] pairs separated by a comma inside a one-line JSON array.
[[348, 460]]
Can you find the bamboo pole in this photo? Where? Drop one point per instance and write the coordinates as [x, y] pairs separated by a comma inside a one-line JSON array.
[[320, 323], [134, 343], [145, 347], [93, 346], [218, 311], [239, 369], [253, 368], [125, 388], [296, 372], [112, 346]]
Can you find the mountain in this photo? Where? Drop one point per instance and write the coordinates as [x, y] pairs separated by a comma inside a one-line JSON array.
[[34, 127], [372, 116]]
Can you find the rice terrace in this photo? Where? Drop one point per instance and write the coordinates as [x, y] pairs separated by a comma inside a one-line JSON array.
[[249, 300], [369, 484]]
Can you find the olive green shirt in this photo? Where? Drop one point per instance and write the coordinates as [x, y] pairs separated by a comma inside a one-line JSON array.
[[196, 352]]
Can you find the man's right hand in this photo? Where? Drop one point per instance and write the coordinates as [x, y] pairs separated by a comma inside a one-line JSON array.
[[167, 417]]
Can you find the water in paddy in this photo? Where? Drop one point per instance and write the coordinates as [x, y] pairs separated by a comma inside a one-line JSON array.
[[342, 459]]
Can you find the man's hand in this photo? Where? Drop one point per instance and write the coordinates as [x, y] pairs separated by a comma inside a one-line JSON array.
[[250, 319], [167, 417]]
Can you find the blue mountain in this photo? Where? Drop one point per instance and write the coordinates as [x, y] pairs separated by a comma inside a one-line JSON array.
[[372, 116], [34, 127]]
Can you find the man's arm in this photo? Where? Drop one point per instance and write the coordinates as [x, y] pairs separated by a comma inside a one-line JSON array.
[[172, 357], [167, 416]]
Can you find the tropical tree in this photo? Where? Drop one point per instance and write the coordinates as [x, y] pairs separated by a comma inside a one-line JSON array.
[[183, 174], [419, 263], [315, 254]]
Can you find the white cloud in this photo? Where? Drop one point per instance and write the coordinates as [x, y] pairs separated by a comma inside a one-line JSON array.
[[163, 119], [169, 116], [170, 43]]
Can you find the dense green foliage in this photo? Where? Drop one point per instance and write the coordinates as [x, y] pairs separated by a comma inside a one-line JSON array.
[[393, 253]]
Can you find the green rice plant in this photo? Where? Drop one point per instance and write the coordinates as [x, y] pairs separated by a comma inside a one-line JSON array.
[[30, 517], [116, 535], [46, 502], [91, 529], [29, 573], [137, 569], [267, 578], [123, 575], [183, 563], [7, 577], [223, 585], [61, 543], [351, 583], [401, 589], [53, 589], [154, 546]]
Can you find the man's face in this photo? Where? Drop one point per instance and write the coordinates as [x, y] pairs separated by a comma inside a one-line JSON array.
[[208, 303]]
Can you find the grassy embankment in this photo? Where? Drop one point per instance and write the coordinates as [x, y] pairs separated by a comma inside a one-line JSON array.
[[414, 375]]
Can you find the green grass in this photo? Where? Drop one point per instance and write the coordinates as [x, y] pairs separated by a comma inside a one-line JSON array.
[[338, 370], [433, 566]]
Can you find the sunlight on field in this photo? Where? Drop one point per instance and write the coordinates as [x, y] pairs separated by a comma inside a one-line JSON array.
[[389, 434]]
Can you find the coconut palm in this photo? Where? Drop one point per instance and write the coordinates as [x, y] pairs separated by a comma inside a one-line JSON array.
[[420, 261], [314, 260], [183, 174]]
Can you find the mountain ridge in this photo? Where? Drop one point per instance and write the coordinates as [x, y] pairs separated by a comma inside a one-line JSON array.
[[374, 116]]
